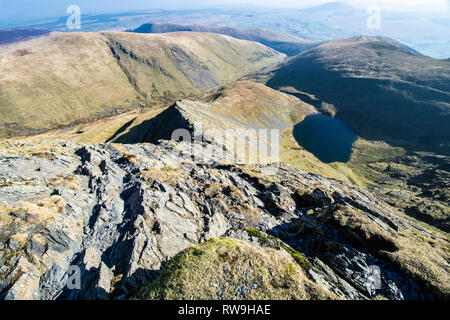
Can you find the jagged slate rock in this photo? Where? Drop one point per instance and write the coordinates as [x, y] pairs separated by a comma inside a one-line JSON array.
[[272, 204], [187, 203], [391, 290], [160, 186], [26, 286], [53, 282], [57, 239], [216, 226], [91, 259], [321, 197], [13, 245], [103, 285], [338, 198], [336, 284]]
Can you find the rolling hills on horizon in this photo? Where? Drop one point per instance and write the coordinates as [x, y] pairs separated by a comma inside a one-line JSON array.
[[425, 32], [285, 43]]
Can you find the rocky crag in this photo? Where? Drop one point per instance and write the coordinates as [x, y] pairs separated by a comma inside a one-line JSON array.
[[121, 214]]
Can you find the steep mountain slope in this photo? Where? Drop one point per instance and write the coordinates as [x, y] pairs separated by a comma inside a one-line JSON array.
[[282, 42], [71, 78], [382, 90], [167, 65], [83, 76]]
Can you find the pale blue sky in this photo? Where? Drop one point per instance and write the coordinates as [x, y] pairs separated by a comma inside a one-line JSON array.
[[23, 10]]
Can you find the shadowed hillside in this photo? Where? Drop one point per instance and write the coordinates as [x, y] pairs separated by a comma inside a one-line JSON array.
[[81, 77], [9, 36], [380, 88]]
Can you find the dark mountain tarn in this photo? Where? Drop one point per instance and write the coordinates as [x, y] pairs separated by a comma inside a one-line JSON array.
[[329, 139]]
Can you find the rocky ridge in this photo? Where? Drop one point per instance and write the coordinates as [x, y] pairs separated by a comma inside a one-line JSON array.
[[120, 212], [283, 42]]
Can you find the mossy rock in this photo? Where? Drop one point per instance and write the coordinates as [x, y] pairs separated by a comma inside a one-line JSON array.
[[276, 243], [231, 269]]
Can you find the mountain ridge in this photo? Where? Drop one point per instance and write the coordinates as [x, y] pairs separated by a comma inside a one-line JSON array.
[[17, 35], [136, 206], [282, 42]]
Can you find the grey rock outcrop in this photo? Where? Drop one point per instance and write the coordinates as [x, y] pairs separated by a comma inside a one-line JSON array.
[[118, 213]]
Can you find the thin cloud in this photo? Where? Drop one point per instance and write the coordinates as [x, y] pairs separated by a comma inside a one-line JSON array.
[[440, 6]]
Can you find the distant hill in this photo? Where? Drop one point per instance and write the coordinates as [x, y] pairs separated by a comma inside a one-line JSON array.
[[80, 77], [9, 36], [330, 8], [286, 43], [381, 88]]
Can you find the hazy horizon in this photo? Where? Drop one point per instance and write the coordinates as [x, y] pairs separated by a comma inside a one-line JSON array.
[[423, 25], [27, 10]]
